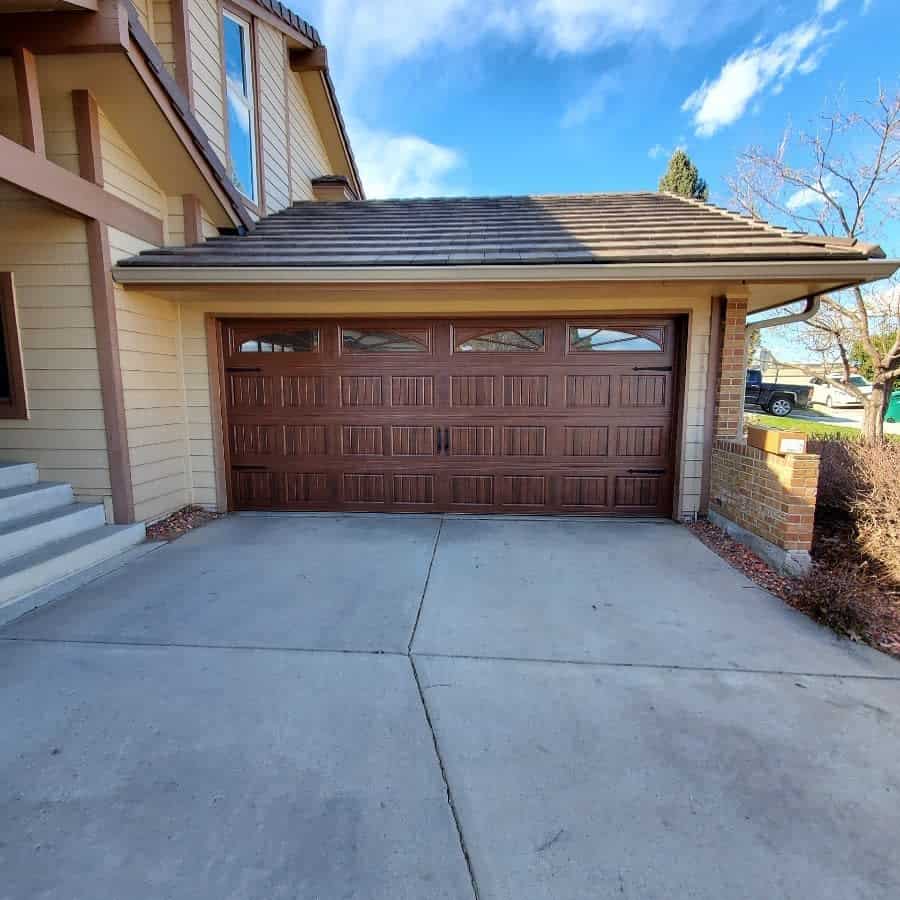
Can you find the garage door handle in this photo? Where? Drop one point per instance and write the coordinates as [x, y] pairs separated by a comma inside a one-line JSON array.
[[243, 369], [652, 369], [440, 440], [446, 440], [646, 471], [250, 468]]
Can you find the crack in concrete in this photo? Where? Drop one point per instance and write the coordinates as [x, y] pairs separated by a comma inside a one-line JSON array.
[[450, 802], [434, 546]]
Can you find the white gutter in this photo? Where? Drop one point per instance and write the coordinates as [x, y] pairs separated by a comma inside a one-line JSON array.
[[844, 270]]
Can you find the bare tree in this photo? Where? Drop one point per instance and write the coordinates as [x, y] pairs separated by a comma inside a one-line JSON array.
[[844, 186]]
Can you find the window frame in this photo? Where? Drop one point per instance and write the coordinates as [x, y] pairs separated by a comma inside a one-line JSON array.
[[228, 11], [16, 405]]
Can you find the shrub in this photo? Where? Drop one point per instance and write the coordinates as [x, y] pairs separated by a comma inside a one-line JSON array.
[[839, 476], [876, 505], [839, 598]]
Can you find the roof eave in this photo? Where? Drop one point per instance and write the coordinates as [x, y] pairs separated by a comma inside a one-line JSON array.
[[842, 271]]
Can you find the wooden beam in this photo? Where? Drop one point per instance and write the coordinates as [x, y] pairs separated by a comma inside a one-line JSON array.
[[68, 32], [181, 38], [193, 220], [87, 136], [39, 176], [28, 92], [107, 333], [315, 60]]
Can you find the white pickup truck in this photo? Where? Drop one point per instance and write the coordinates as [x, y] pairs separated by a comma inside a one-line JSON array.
[[827, 394]]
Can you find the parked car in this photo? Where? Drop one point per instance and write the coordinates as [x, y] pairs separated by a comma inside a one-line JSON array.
[[827, 394], [777, 399]]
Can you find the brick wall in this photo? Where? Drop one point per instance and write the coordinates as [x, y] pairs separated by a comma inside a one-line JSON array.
[[733, 370], [769, 495]]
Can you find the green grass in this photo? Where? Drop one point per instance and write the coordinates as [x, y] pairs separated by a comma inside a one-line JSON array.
[[814, 429]]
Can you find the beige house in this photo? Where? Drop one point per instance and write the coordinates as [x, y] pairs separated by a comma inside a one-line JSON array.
[[200, 307]]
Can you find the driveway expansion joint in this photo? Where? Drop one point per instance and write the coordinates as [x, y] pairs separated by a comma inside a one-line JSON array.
[[440, 761], [434, 546]]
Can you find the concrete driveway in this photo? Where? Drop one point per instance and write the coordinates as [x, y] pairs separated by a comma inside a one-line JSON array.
[[423, 707]]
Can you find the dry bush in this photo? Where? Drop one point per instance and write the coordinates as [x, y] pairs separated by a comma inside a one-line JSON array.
[[839, 598], [839, 475], [876, 506]]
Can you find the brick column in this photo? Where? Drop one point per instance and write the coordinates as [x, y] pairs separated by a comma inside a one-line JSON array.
[[733, 369]]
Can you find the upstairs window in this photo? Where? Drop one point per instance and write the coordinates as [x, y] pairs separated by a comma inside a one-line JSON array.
[[240, 104]]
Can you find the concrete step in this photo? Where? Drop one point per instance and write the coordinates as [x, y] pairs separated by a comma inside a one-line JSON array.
[[59, 559], [27, 501], [21, 536], [13, 475]]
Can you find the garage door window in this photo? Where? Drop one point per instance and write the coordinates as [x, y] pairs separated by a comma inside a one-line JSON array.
[[303, 341], [365, 341], [607, 340], [506, 340]]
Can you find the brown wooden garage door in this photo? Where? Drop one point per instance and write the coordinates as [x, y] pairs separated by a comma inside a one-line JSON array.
[[513, 416]]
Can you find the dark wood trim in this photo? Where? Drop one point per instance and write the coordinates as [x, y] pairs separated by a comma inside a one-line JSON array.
[[16, 405], [87, 136], [314, 60], [109, 365], [39, 176], [221, 456], [28, 92], [193, 220], [181, 38], [713, 374], [679, 367], [68, 32]]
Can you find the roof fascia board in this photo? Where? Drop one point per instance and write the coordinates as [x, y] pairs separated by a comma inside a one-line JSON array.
[[68, 32], [845, 271], [261, 12]]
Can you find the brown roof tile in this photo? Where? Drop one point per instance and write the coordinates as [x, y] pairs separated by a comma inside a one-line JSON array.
[[561, 229]]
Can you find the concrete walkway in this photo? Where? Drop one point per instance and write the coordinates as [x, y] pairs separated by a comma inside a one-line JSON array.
[[423, 707]]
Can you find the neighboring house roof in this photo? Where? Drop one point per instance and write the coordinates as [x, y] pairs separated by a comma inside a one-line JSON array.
[[575, 229]]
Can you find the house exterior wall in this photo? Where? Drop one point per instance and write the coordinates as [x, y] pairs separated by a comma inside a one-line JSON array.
[[206, 70], [47, 252], [309, 158], [153, 388], [163, 34], [271, 96]]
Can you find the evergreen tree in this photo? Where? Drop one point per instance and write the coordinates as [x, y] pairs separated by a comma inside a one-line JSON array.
[[682, 178]]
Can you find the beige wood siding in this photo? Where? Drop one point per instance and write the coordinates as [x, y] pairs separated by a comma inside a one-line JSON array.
[[308, 157], [271, 65], [162, 32], [47, 252], [58, 116], [123, 173], [206, 71], [448, 300], [175, 221], [144, 11], [153, 387]]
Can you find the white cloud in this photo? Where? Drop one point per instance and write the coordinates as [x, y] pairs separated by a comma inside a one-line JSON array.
[[803, 198], [592, 102], [404, 165], [827, 6], [364, 35], [724, 100], [656, 151]]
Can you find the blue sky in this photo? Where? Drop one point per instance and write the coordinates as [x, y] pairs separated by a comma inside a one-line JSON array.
[[545, 96]]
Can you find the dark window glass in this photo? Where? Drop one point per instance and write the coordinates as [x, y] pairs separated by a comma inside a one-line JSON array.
[[512, 339], [607, 339], [304, 341], [385, 341]]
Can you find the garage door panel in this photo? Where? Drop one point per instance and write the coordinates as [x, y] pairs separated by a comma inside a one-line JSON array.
[[434, 427]]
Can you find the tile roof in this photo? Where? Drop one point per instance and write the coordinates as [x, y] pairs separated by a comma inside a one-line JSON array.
[[575, 229]]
